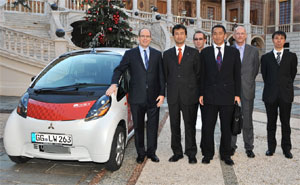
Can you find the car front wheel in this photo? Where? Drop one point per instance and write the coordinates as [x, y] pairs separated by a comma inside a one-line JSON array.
[[19, 159], [117, 150]]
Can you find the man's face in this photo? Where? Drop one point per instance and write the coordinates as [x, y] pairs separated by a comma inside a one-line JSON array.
[[218, 36], [199, 41], [179, 36], [278, 41], [240, 35], [144, 38]]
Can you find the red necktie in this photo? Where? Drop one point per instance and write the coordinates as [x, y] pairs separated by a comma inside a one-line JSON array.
[[179, 55]]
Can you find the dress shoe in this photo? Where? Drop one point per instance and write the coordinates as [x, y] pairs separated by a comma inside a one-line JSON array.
[[232, 151], [206, 160], [250, 153], [140, 159], [154, 158], [175, 158], [288, 154], [269, 153], [192, 160], [227, 160]]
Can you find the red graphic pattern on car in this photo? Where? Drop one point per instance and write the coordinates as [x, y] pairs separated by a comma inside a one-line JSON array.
[[58, 111]]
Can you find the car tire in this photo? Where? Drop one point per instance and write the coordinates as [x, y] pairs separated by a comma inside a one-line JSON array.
[[117, 151], [19, 159]]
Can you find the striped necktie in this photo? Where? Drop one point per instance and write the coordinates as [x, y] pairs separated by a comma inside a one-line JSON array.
[[278, 58], [146, 59], [219, 59]]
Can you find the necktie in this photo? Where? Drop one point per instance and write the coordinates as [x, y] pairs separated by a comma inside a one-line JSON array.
[[278, 58], [179, 55], [219, 59], [146, 59]]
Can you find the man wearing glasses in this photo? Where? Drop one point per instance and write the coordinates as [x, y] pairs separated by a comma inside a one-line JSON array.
[[199, 40]]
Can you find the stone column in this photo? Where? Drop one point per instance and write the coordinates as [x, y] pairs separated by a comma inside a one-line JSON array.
[[198, 13], [247, 20], [276, 14], [169, 10], [2, 18], [134, 6], [292, 16], [223, 13]]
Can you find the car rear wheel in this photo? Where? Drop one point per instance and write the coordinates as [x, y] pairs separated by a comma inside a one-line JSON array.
[[19, 159], [117, 150]]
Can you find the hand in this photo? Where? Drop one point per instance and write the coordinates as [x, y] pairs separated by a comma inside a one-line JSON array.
[[160, 100], [112, 89], [201, 100], [237, 99]]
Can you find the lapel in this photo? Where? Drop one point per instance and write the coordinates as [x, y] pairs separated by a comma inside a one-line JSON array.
[[272, 57], [150, 58], [173, 55], [139, 58], [284, 55], [185, 54], [246, 53], [213, 58]]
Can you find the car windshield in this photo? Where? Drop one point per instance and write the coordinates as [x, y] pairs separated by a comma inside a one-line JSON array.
[[94, 69]]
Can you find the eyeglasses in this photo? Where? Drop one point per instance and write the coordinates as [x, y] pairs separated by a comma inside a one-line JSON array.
[[198, 39], [145, 36]]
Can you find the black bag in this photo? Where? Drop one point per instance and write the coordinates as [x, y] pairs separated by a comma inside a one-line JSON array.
[[237, 120]]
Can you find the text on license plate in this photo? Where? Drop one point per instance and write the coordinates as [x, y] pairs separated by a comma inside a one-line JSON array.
[[51, 138]]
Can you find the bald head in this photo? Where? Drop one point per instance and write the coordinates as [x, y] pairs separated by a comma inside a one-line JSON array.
[[240, 35]]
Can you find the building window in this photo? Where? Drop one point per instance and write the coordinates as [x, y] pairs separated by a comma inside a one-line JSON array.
[[210, 12], [285, 12]]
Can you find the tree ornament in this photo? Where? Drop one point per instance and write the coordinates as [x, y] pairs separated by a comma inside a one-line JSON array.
[[109, 29]]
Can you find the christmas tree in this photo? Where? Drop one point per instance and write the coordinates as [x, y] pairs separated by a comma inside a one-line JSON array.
[[106, 24]]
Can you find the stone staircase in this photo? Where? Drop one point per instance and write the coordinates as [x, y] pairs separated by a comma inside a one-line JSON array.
[[37, 25]]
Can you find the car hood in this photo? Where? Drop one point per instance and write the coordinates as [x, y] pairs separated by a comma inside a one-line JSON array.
[[61, 107]]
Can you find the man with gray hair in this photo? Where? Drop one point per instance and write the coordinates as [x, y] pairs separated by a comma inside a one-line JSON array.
[[249, 69]]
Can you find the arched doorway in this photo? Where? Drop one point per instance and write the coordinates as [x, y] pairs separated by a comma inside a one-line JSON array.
[[259, 43]]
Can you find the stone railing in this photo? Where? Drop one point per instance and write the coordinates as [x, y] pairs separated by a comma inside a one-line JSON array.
[[27, 45], [36, 6], [258, 30], [33, 47], [283, 27]]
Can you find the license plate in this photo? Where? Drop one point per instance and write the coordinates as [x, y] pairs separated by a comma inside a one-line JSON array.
[[63, 139]]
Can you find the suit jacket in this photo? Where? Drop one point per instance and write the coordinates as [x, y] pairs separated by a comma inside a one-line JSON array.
[[145, 85], [183, 80], [249, 71], [220, 87], [278, 79]]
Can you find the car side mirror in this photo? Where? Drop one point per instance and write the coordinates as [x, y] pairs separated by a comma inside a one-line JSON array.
[[123, 87], [32, 78]]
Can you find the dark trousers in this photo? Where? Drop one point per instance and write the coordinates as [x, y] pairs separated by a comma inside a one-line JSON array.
[[248, 134], [208, 129], [138, 115], [189, 113], [284, 114]]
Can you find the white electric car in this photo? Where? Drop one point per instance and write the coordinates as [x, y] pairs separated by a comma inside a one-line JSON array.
[[65, 114]]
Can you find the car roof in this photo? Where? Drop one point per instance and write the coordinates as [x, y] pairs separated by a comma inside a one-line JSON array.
[[119, 51]]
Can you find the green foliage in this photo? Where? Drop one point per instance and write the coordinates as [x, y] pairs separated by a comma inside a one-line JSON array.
[[106, 24]]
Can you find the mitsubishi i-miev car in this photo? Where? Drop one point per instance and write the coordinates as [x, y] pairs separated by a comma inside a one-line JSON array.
[[65, 114]]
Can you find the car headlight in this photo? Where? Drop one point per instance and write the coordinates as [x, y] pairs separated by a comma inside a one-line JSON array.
[[99, 109], [22, 106]]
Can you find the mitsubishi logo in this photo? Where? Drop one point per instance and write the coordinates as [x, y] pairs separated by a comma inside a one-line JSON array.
[[51, 126]]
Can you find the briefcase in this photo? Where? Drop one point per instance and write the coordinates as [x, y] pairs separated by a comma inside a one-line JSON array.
[[237, 120]]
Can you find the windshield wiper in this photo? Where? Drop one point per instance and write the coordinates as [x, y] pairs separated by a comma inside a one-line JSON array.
[[67, 88]]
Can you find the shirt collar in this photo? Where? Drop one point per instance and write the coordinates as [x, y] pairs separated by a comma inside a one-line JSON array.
[[237, 46], [275, 52], [142, 49], [182, 48]]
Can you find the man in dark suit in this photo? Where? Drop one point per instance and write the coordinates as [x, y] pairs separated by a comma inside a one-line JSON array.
[[250, 66], [146, 92], [279, 68], [182, 73], [220, 88]]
